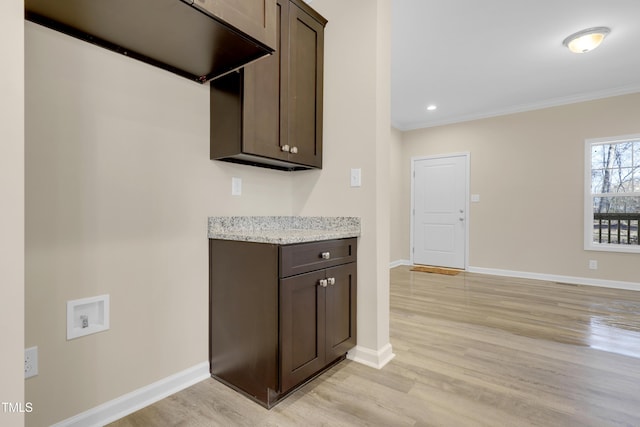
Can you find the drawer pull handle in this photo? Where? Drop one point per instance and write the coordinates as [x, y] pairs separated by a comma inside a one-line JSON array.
[[331, 280], [325, 255], [323, 283]]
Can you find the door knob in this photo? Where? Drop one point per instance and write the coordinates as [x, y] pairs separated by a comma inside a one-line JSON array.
[[325, 255], [461, 219], [331, 280], [294, 150], [285, 147], [323, 283]]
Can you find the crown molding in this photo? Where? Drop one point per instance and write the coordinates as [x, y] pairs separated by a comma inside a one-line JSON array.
[[554, 102]]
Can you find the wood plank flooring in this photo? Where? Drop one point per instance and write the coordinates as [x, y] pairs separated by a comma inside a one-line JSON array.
[[471, 350]]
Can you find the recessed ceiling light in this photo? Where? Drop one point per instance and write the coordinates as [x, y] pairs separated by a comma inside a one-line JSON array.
[[586, 40], [431, 107]]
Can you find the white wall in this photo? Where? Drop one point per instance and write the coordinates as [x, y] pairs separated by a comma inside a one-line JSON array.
[[12, 210], [119, 187]]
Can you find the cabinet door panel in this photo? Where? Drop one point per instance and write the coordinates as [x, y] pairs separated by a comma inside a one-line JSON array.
[[265, 85], [341, 311], [302, 328], [305, 87]]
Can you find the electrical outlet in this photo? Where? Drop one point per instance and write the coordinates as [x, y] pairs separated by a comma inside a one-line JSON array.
[[31, 362], [593, 264]]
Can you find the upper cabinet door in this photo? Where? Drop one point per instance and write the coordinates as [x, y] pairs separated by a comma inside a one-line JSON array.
[[255, 18], [264, 97], [305, 86]]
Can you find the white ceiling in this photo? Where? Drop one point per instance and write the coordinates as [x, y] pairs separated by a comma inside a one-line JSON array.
[[476, 59]]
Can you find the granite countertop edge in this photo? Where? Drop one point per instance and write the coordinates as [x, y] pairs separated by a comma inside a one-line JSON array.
[[283, 230]]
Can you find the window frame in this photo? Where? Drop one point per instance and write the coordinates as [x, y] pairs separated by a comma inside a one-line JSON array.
[[589, 244]]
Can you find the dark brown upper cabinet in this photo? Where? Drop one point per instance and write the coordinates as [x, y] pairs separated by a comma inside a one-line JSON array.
[[196, 39], [269, 113]]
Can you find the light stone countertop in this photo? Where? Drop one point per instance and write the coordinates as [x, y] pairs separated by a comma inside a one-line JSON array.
[[282, 230]]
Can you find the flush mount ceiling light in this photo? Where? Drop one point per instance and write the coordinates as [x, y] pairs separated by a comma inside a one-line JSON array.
[[431, 107], [586, 40]]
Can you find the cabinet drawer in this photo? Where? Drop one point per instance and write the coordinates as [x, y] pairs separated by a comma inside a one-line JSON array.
[[304, 257]]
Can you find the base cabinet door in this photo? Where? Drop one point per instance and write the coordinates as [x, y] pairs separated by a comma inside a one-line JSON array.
[[317, 321], [302, 327], [340, 311]]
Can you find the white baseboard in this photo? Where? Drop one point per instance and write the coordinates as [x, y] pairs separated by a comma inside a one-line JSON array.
[[373, 358], [400, 262], [138, 399], [615, 284], [557, 278]]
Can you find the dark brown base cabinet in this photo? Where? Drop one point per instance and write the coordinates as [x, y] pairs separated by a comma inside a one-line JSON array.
[[280, 314]]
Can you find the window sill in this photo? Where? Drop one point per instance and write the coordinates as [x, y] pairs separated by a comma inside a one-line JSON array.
[[607, 247]]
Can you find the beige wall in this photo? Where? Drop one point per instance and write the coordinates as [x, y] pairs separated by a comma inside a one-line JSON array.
[[399, 200], [12, 210], [119, 187], [528, 170], [356, 135]]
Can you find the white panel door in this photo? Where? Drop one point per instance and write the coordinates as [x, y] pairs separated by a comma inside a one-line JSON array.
[[439, 216]]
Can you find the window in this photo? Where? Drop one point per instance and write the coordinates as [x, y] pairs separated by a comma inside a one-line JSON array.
[[612, 194]]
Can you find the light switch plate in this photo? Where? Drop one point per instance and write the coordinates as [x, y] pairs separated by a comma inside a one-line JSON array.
[[236, 186], [475, 198], [356, 177]]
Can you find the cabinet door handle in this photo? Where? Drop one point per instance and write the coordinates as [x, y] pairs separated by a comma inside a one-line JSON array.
[[285, 147], [323, 283], [331, 280], [325, 255], [294, 150]]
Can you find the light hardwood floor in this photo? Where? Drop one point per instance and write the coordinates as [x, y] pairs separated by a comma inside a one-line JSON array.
[[471, 350]]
